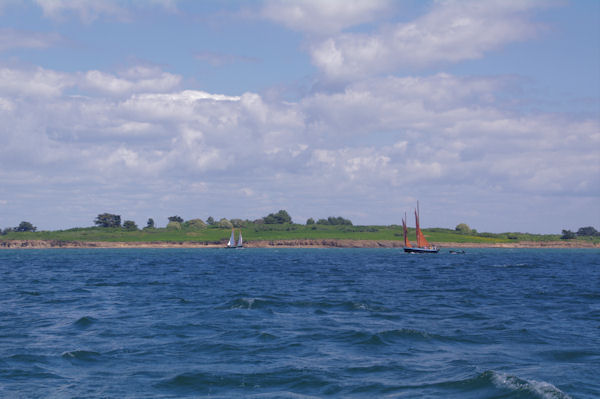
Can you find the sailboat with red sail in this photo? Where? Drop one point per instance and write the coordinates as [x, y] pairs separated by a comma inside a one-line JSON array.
[[422, 245]]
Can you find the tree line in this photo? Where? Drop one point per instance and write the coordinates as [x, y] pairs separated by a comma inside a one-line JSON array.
[[588, 231], [176, 222], [23, 226]]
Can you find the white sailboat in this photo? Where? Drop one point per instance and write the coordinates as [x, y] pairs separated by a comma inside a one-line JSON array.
[[240, 243], [231, 243]]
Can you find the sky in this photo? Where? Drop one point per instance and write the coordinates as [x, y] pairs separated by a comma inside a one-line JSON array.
[[486, 112]]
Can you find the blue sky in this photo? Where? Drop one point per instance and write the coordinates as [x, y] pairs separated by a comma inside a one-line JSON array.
[[487, 112]]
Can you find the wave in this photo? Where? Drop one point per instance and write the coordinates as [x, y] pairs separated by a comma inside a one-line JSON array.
[[573, 355], [33, 373], [282, 394], [30, 293], [320, 307], [293, 379], [88, 356], [84, 322], [391, 337], [246, 303], [489, 384], [510, 386], [28, 358], [540, 389]]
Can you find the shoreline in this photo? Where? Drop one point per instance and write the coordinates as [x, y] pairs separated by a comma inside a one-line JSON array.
[[308, 243]]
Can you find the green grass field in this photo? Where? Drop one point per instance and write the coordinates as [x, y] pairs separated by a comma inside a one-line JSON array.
[[253, 232]]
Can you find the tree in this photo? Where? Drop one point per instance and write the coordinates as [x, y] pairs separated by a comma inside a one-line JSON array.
[[587, 231], [108, 220], [224, 223], [175, 219], [338, 221], [237, 222], [211, 221], [25, 226], [310, 221], [150, 223], [334, 221], [130, 225], [280, 217], [195, 224], [567, 235], [463, 228], [173, 225]]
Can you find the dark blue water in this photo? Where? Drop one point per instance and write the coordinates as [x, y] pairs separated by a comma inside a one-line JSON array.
[[293, 323]]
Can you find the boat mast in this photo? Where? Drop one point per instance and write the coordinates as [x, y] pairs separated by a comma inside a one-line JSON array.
[[419, 234], [405, 231]]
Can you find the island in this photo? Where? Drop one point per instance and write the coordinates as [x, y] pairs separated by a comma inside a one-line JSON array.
[[276, 230]]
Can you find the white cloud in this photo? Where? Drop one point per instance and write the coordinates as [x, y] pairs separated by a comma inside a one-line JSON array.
[[377, 138], [33, 82], [451, 31], [14, 39], [324, 17], [86, 10], [137, 79], [90, 10]]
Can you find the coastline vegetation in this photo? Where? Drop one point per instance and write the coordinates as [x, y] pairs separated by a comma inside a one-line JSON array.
[[275, 226]]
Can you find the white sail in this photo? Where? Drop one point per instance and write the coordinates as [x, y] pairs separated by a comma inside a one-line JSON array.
[[240, 242], [231, 242]]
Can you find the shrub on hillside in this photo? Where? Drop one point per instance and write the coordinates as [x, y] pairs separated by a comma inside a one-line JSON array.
[[280, 217], [195, 224], [335, 221], [463, 228], [130, 225], [174, 226], [225, 224]]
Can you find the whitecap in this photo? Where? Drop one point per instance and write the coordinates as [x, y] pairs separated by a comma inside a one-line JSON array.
[[541, 389]]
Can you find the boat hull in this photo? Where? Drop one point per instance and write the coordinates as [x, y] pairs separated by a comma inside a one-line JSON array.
[[418, 250]]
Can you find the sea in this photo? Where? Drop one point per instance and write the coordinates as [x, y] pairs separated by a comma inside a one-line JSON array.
[[299, 323]]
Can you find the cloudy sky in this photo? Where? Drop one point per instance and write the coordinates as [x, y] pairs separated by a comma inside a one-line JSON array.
[[487, 112]]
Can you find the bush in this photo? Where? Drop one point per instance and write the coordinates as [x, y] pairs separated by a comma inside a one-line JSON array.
[[567, 235], [280, 217], [335, 221], [237, 222], [130, 225], [310, 221], [195, 224], [224, 223], [25, 226], [463, 228], [174, 226]]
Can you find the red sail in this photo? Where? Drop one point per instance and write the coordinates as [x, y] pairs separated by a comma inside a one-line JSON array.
[[421, 240]]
